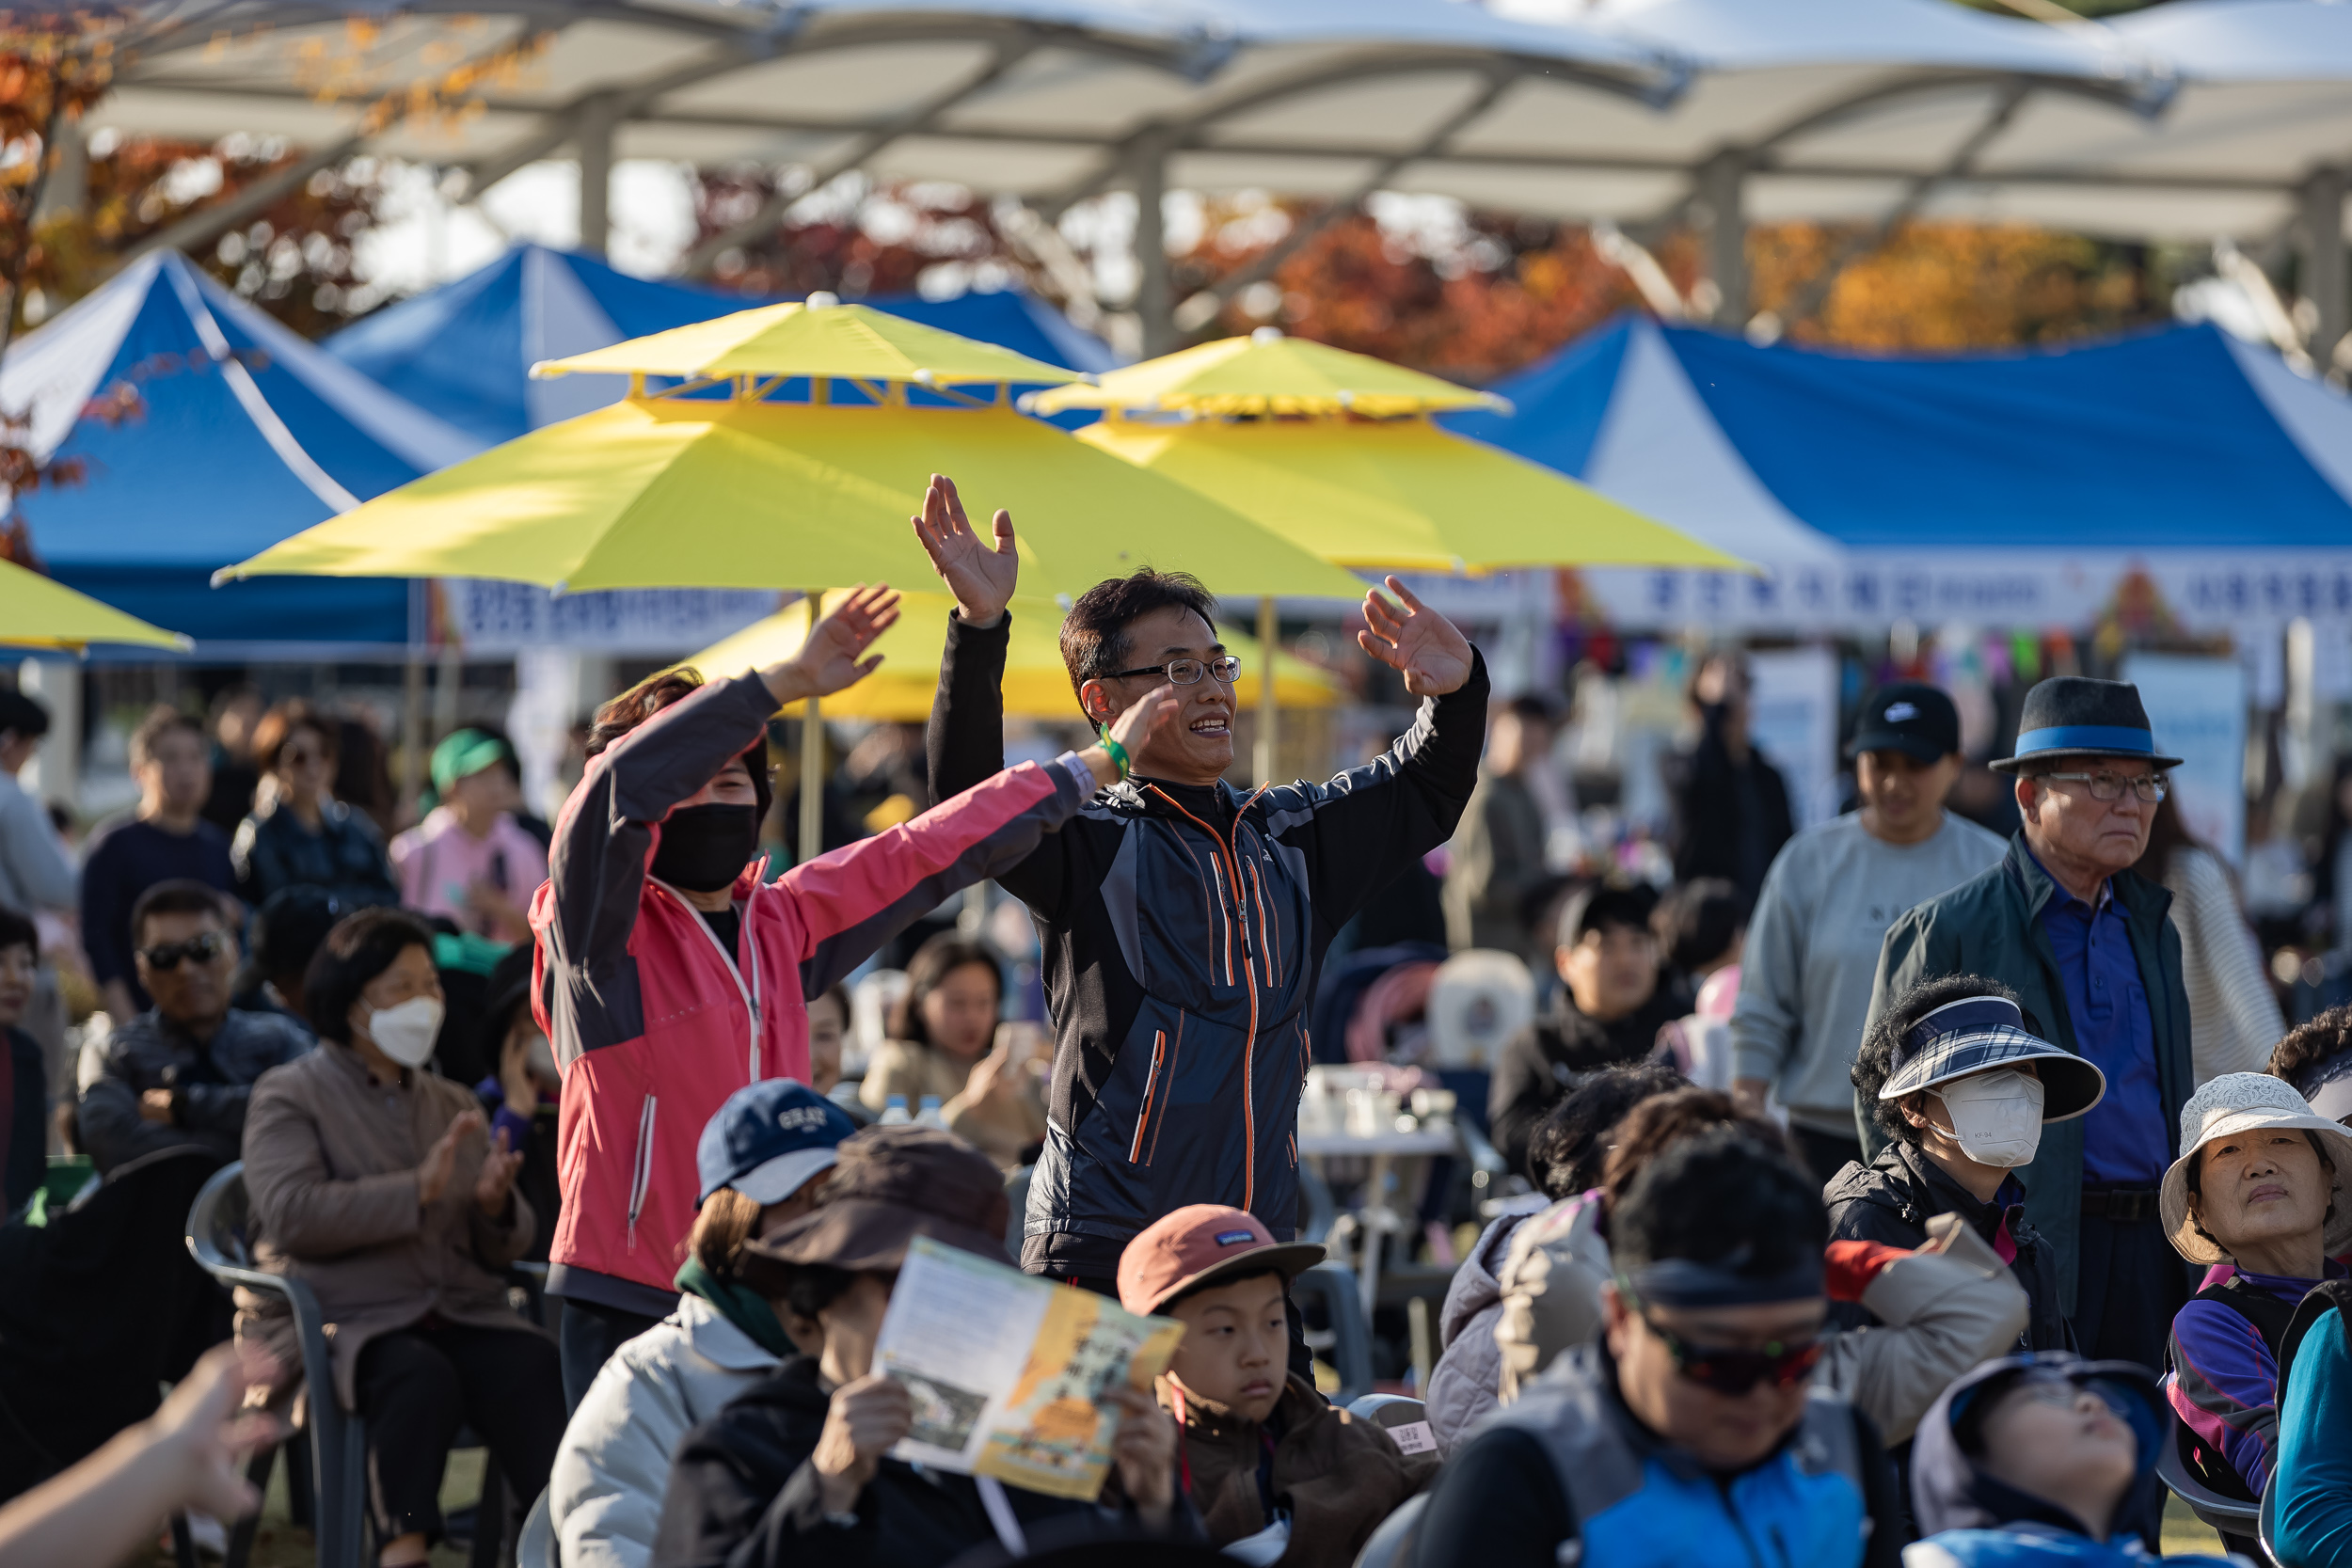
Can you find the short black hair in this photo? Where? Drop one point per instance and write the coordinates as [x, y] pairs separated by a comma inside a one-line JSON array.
[[1697, 921], [1530, 707], [1874, 1064], [1217, 1284], [159, 723], [1566, 1151], [1601, 904], [361, 947], [178, 896], [2326, 1034], [289, 927], [18, 930], [1094, 639], [20, 714], [1720, 1196]]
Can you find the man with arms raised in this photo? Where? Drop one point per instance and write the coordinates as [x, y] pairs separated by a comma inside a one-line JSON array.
[[1183, 920]]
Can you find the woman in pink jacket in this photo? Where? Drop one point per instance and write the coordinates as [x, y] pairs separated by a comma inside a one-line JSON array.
[[669, 974]]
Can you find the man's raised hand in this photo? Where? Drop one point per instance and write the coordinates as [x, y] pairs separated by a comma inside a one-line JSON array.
[[1432, 655], [980, 573], [828, 659]]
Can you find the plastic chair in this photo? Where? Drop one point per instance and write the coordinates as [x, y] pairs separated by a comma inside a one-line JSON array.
[[535, 1547], [1334, 1286], [2233, 1520], [2267, 1518], [1392, 1542], [216, 1239], [1405, 1420]]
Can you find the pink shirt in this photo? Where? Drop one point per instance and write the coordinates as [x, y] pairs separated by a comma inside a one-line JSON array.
[[437, 861]]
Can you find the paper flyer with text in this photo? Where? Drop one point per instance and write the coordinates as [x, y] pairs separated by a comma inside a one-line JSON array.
[[1008, 1369]]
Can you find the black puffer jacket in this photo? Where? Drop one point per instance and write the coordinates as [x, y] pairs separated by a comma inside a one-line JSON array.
[[1891, 1200], [742, 1495], [1183, 928], [1552, 1055]]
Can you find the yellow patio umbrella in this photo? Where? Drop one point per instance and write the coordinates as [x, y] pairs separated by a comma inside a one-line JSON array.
[[1337, 450], [1270, 373], [1036, 684], [39, 612], [751, 474]]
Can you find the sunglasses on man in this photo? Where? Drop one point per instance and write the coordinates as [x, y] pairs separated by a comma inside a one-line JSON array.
[[203, 947], [1735, 1371]]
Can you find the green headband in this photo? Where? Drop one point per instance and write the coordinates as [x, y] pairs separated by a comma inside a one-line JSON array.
[[463, 754]]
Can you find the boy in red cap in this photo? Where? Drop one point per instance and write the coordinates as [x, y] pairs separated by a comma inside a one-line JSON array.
[[1268, 1463]]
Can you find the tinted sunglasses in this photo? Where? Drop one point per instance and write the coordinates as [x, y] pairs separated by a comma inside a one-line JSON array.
[[203, 948], [1736, 1371]]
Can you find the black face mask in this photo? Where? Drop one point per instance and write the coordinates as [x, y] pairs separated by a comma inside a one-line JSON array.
[[705, 849]]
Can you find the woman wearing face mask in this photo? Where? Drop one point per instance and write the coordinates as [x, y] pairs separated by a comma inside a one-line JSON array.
[[671, 975], [1961, 1089], [377, 1185]]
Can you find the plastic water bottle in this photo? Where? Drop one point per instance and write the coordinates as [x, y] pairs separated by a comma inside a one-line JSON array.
[[895, 1112], [929, 1115]]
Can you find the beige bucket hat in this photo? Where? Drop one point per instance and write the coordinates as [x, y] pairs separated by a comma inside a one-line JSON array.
[[2241, 1102]]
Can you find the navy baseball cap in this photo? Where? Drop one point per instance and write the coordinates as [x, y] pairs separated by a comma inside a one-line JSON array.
[[1911, 717], [1977, 1033], [769, 1140]]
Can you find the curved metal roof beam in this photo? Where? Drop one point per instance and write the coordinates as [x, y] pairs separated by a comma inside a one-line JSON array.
[[1179, 132]]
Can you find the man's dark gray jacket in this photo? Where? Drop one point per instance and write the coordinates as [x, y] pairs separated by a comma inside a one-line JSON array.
[[1991, 925], [1183, 928]]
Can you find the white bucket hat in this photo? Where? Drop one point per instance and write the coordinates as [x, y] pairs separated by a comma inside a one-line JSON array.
[[2241, 1102]]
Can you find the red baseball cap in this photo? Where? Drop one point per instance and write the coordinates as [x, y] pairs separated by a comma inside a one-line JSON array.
[[1199, 1244]]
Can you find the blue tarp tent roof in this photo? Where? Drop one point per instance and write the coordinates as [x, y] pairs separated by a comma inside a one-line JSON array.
[[465, 350], [246, 433], [2016, 487]]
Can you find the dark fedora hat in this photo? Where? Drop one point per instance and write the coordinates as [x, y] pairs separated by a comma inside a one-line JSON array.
[[890, 1184], [2074, 716]]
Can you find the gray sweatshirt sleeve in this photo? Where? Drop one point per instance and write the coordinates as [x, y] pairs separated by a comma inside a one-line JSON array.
[[1769, 1016], [32, 859]]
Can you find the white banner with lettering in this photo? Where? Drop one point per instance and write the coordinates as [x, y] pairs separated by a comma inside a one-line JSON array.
[[492, 618]]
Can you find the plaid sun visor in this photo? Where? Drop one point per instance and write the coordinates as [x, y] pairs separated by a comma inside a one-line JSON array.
[[1980, 1034]]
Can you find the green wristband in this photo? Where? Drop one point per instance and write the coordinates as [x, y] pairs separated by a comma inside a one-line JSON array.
[[1119, 754]]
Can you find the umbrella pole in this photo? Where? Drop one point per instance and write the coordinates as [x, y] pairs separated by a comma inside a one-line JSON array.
[[1269, 631], [812, 762]]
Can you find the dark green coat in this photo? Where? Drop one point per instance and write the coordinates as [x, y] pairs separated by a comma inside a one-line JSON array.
[[1991, 925]]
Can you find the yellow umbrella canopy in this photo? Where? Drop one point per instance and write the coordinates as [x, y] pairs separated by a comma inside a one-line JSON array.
[[1267, 373], [1403, 495], [853, 342], [742, 493], [38, 612], [1036, 685]]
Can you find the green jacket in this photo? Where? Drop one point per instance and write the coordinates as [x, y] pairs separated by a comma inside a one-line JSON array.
[[1991, 925]]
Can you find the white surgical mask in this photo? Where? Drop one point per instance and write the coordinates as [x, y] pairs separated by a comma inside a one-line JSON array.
[[1997, 1117], [406, 1033]]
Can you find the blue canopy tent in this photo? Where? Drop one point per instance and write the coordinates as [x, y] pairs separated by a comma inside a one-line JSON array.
[[2015, 488], [465, 350], [242, 434]]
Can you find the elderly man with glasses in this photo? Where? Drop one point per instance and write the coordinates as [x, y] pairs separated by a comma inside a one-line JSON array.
[[2087, 946], [181, 1071]]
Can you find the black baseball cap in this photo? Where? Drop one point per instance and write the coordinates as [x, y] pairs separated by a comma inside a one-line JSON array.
[[1910, 717]]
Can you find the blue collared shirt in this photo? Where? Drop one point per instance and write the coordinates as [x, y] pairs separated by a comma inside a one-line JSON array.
[[2126, 1142]]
